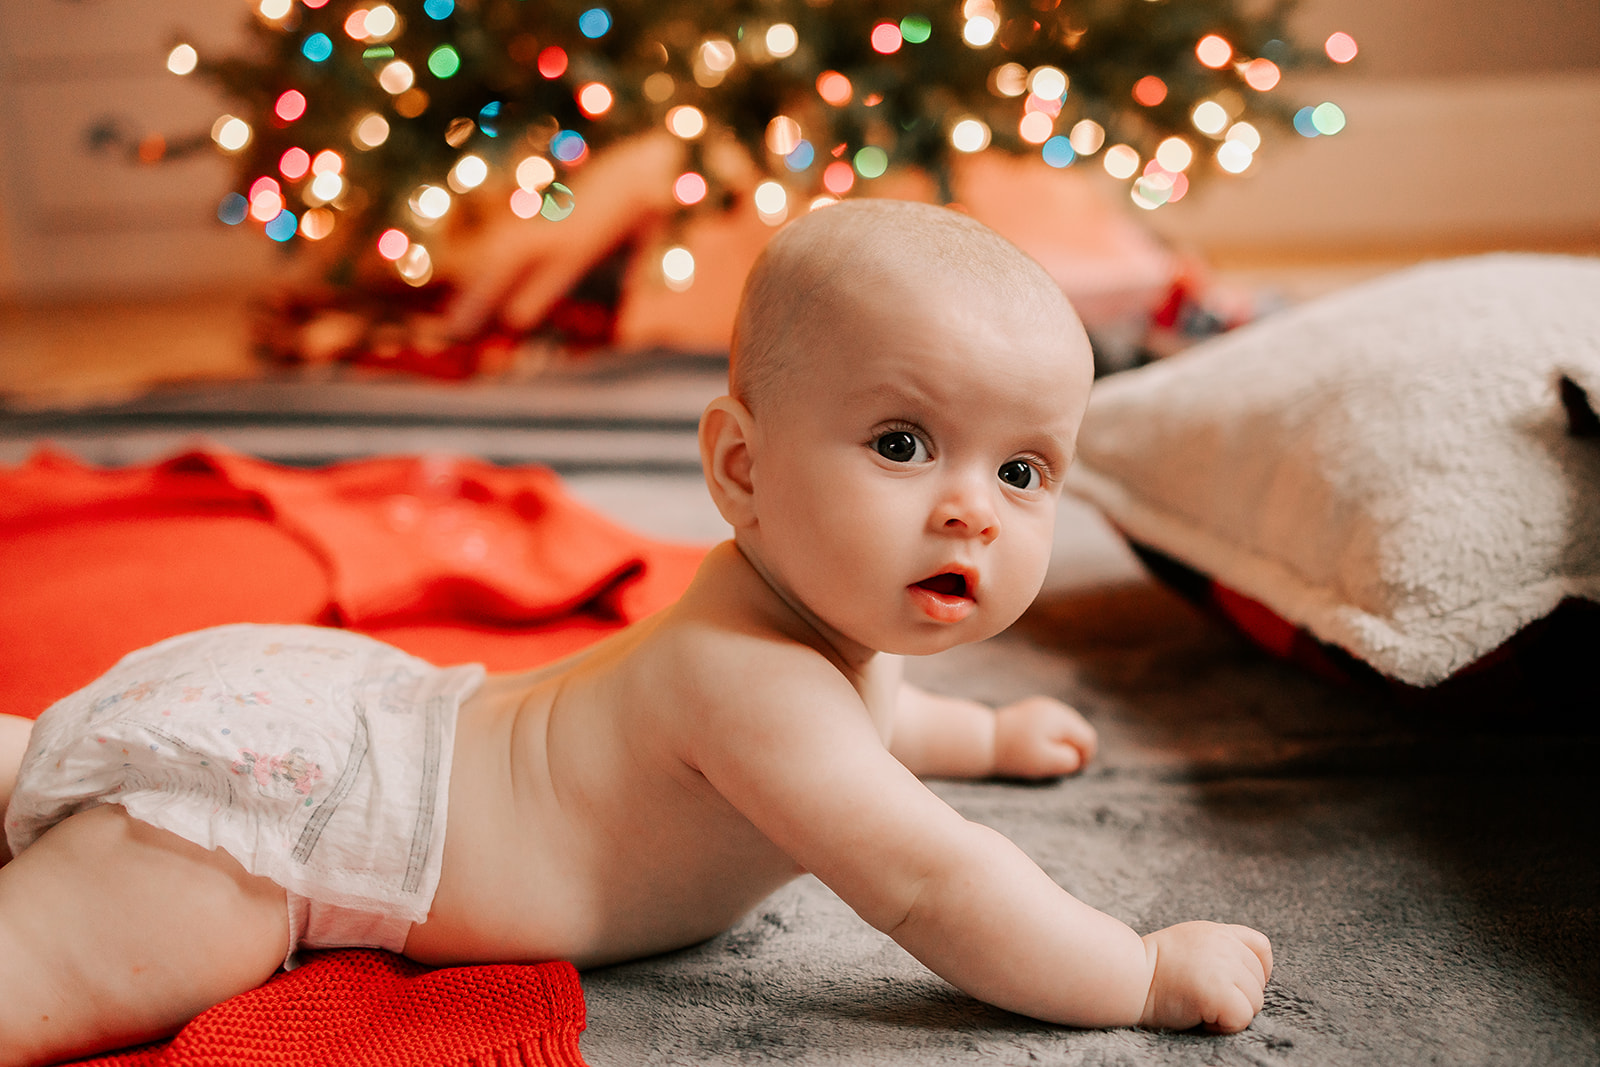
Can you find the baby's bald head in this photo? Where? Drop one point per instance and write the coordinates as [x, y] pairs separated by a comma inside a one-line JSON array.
[[821, 271]]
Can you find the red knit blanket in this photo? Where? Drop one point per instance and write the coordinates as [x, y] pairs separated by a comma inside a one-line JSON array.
[[452, 560], [364, 1008]]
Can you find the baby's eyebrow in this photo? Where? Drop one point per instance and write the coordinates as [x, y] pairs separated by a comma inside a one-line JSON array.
[[1057, 450], [901, 394]]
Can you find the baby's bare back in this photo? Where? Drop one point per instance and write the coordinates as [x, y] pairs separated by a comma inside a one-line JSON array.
[[577, 829]]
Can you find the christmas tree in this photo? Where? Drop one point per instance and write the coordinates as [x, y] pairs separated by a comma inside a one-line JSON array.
[[358, 125]]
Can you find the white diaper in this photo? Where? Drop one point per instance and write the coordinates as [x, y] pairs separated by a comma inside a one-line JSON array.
[[318, 758]]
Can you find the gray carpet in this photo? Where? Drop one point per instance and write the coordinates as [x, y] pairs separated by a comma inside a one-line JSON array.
[[1428, 877]]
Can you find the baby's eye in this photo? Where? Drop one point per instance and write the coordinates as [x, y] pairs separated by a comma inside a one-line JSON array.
[[901, 446], [1020, 474]]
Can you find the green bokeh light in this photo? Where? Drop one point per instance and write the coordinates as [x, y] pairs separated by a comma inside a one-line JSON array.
[[916, 28], [444, 61], [871, 162]]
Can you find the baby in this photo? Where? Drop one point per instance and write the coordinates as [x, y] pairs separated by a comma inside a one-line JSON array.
[[906, 388]]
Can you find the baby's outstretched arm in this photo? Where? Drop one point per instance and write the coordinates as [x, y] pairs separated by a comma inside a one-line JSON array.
[[938, 736], [816, 779]]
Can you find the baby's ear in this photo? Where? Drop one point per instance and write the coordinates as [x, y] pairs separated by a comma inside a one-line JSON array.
[[726, 430]]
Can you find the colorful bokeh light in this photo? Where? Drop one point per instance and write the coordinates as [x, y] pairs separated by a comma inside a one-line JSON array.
[[294, 164], [558, 202], [1341, 47], [552, 62], [1213, 51], [392, 244], [183, 59], [444, 61], [318, 48], [1058, 152], [1149, 91], [594, 23], [871, 162], [834, 88], [690, 188], [594, 99], [290, 106]]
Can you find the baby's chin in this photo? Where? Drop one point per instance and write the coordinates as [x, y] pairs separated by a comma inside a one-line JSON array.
[[932, 639]]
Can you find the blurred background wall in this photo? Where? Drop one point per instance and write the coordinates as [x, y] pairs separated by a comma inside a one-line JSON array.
[[1472, 124]]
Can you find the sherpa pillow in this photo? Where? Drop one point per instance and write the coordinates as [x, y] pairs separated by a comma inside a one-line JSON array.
[[1388, 469]]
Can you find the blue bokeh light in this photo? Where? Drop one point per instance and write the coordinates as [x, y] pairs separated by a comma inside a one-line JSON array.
[[233, 209], [595, 22], [489, 119], [568, 145], [317, 48], [801, 158], [1058, 152], [283, 226]]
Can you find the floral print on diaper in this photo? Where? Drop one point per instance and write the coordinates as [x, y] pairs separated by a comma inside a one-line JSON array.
[[136, 691], [275, 773]]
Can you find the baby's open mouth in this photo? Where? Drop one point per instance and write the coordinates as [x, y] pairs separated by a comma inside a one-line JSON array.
[[947, 584]]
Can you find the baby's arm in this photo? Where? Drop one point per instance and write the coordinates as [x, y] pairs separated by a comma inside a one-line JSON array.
[[813, 776], [996, 926], [939, 736]]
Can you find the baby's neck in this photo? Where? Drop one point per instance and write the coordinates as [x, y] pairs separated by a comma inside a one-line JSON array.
[[854, 660]]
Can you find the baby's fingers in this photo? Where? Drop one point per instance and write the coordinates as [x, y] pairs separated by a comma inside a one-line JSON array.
[[1063, 757], [1072, 728], [1259, 945], [1233, 1011], [1231, 1005]]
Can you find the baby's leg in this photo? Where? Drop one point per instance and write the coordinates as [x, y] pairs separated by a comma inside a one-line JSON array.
[[14, 731], [113, 932]]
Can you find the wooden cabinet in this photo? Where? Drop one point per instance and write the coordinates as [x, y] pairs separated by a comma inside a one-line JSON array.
[[77, 218]]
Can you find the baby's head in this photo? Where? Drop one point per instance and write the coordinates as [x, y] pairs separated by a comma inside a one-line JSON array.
[[830, 272], [906, 389]]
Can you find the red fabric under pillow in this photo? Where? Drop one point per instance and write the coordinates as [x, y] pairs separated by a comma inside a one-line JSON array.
[[1543, 669]]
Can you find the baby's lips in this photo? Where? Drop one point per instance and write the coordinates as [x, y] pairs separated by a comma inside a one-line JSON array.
[[954, 581], [948, 596]]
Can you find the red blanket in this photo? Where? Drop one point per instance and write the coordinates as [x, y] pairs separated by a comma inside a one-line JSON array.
[[364, 1008], [450, 559]]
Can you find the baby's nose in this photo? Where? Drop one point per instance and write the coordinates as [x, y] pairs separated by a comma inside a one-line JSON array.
[[968, 514]]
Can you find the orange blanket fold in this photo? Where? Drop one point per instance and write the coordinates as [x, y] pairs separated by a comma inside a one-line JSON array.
[[453, 560]]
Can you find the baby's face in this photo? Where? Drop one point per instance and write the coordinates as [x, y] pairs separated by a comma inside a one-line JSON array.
[[907, 476]]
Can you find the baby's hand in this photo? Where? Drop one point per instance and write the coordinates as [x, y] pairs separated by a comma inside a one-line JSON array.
[[1041, 738], [1206, 974]]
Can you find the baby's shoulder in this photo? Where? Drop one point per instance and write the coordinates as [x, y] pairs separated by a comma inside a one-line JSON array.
[[734, 647], [749, 657]]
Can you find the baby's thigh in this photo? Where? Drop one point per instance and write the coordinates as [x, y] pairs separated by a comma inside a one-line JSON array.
[[14, 733], [113, 932]]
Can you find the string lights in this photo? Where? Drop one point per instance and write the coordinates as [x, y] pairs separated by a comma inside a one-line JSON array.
[[363, 125]]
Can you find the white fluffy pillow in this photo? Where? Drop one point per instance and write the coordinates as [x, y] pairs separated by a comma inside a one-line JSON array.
[[1388, 468]]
